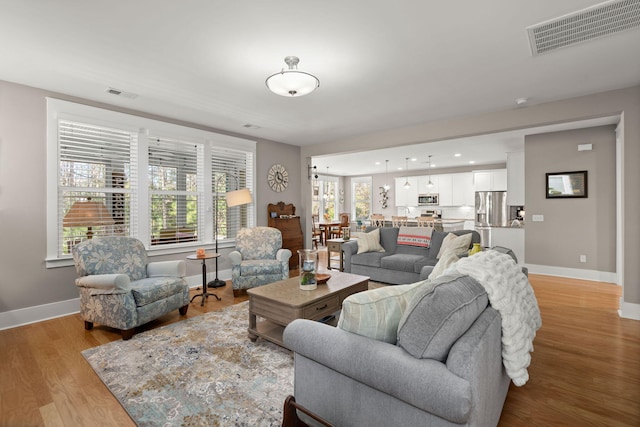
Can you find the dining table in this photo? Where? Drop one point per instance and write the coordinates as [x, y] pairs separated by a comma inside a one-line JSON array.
[[325, 230]]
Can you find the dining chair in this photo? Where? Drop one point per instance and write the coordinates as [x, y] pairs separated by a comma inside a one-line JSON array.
[[399, 221], [344, 222], [377, 220], [316, 233], [425, 221]]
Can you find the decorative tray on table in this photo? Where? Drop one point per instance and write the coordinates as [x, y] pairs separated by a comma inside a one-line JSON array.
[[322, 278]]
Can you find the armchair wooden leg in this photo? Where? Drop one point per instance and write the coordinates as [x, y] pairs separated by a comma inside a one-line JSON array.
[[88, 325], [127, 333], [183, 309]]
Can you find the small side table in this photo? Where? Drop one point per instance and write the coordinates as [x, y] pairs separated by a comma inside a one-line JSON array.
[[204, 294], [335, 245]]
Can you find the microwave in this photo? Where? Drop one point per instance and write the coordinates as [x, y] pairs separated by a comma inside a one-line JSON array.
[[428, 199]]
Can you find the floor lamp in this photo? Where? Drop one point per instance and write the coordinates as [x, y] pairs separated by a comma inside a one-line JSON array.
[[234, 198]]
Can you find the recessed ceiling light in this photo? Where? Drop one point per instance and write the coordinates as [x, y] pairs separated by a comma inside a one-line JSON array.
[[433, 165], [413, 159], [471, 162], [377, 163], [457, 155], [521, 101]]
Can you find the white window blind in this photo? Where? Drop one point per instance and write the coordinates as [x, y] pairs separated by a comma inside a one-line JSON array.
[[231, 170], [111, 173], [175, 182], [96, 181]]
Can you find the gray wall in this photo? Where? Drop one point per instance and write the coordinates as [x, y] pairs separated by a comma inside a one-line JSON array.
[[572, 227], [625, 102], [24, 280]]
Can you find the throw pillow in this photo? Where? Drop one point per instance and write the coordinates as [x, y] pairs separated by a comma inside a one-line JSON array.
[[376, 313], [448, 258], [369, 242], [459, 244], [439, 314], [415, 236]]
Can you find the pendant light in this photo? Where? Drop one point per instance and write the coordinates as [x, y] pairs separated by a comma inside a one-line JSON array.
[[429, 184], [386, 176], [406, 183], [326, 186]]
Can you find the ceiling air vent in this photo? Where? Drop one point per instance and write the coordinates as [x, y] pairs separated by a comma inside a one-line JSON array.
[[597, 21], [117, 92]]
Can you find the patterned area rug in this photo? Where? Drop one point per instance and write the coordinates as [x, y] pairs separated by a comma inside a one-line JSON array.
[[203, 371]]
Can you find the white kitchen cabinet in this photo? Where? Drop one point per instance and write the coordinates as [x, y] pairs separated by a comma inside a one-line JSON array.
[[407, 196], [493, 180], [462, 189], [445, 189], [515, 179], [512, 238]]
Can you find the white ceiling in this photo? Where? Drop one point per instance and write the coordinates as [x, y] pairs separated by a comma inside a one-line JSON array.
[[381, 65]]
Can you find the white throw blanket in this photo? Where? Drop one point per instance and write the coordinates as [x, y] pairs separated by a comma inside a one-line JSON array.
[[510, 293]]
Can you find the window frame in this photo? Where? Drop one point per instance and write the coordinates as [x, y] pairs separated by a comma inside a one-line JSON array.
[[140, 210], [354, 182]]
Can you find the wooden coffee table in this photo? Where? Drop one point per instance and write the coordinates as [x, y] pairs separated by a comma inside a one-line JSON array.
[[280, 303]]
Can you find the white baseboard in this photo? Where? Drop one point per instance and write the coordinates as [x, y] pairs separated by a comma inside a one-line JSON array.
[[39, 313], [573, 273], [629, 310]]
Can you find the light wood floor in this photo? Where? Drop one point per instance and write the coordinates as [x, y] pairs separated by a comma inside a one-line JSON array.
[[585, 369]]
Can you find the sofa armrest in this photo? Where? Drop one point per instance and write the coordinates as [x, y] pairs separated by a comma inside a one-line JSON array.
[[424, 383], [174, 268], [105, 283], [348, 249], [283, 255]]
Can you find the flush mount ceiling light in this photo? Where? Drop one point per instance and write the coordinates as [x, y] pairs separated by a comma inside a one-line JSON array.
[[292, 82]]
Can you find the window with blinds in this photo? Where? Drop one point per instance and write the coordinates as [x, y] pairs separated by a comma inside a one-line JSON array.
[[96, 179], [231, 170], [173, 190], [111, 173]]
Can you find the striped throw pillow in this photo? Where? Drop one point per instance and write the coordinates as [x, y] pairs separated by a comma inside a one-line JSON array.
[[376, 313]]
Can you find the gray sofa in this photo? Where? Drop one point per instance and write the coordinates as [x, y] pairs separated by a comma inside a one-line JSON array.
[[398, 264], [455, 379]]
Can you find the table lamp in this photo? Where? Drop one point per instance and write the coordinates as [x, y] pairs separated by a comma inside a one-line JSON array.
[[88, 214]]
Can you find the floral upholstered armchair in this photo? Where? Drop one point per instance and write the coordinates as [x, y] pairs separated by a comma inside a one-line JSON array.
[[258, 259], [119, 288]]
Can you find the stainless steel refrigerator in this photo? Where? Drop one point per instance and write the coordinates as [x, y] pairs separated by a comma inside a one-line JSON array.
[[491, 211]]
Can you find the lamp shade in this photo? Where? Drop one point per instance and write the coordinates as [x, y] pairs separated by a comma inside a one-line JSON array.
[[292, 82], [238, 197], [87, 214]]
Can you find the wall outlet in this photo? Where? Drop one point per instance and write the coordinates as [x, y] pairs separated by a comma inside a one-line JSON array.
[[537, 218], [583, 258]]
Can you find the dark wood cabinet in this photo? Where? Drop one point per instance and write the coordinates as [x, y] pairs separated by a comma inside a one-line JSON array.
[[282, 216]]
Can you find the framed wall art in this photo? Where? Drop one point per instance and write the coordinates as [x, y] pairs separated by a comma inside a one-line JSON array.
[[567, 185]]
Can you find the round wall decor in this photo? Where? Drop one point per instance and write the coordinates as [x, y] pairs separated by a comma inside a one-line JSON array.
[[278, 178]]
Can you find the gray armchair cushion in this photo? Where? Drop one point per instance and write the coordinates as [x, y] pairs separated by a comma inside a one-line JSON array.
[[438, 314]]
